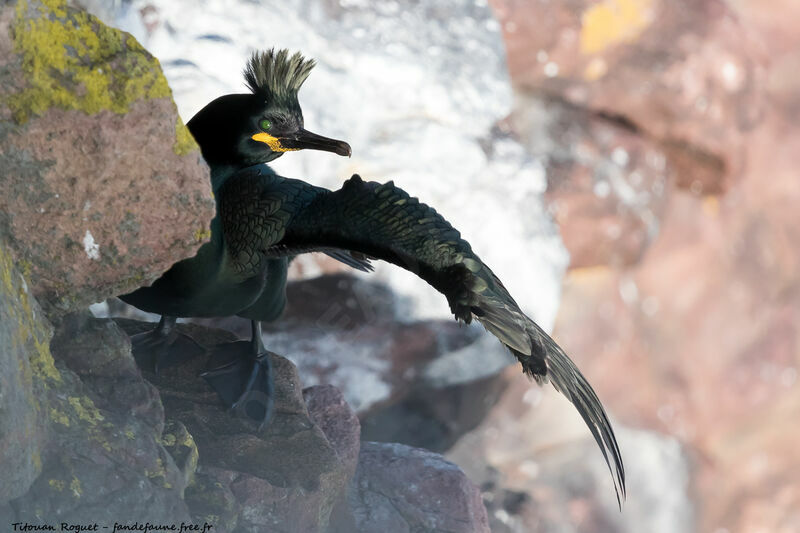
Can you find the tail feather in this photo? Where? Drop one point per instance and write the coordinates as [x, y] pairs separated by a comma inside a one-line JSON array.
[[504, 325], [543, 360], [568, 380]]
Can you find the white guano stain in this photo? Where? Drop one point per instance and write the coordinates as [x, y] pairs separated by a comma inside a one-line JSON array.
[[92, 248]]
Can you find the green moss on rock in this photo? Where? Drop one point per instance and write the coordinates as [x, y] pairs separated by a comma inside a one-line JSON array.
[[71, 60]]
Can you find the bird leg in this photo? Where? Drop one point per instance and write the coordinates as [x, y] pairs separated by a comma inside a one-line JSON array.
[[163, 346], [241, 374]]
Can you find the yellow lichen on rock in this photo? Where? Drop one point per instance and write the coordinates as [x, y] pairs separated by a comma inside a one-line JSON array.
[[87, 412], [42, 362], [167, 439], [160, 473], [75, 487], [201, 235], [71, 60], [36, 457], [31, 330], [81, 413], [612, 22], [194, 455], [60, 485], [5, 272], [184, 142], [59, 417], [85, 409]]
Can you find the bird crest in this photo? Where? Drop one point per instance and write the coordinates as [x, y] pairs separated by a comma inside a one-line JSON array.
[[275, 74]]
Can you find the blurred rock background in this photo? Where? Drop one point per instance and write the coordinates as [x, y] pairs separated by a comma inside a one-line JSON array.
[[652, 140], [671, 139]]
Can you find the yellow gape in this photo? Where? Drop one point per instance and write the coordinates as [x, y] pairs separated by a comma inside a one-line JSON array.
[[273, 142]]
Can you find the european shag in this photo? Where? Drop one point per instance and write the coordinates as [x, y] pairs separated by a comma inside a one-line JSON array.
[[264, 219]]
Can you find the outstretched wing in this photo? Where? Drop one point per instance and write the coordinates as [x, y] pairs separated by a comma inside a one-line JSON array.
[[255, 206], [384, 222]]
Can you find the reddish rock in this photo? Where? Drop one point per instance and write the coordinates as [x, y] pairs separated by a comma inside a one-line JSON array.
[[402, 489], [606, 183], [329, 410], [291, 450], [705, 332], [540, 471], [687, 73], [698, 339], [772, 21], [291, 476], [102, 187]]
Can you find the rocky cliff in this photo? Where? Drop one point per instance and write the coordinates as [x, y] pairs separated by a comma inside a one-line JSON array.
[[101, 190]]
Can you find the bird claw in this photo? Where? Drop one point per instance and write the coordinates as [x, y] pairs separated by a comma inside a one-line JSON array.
[[154, 351], [243, 381]]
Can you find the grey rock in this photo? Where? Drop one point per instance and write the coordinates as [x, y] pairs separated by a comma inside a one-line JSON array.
[[25, 367], [80, 333], [99, 352], [210, 499], [289, 475], [180, 444], [102, 462], [434, 418], [484, 358]]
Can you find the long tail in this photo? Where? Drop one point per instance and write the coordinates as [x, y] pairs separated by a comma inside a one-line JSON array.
[[544, 360]]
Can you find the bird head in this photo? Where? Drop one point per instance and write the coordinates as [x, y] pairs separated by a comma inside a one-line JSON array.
[[240, 130]]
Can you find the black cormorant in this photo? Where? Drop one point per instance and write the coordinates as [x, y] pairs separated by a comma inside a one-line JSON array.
[[263, 219]]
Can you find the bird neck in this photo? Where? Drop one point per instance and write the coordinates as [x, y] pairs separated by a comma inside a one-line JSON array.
[[221, 173], [223, 167]]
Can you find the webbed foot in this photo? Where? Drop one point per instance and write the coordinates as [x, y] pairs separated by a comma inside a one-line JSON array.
[[243, 379], [164, 346]]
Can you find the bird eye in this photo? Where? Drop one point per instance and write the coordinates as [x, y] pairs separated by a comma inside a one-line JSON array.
[[265, 124]]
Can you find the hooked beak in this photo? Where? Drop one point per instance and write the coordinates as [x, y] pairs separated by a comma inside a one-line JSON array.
[[301, 140]]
